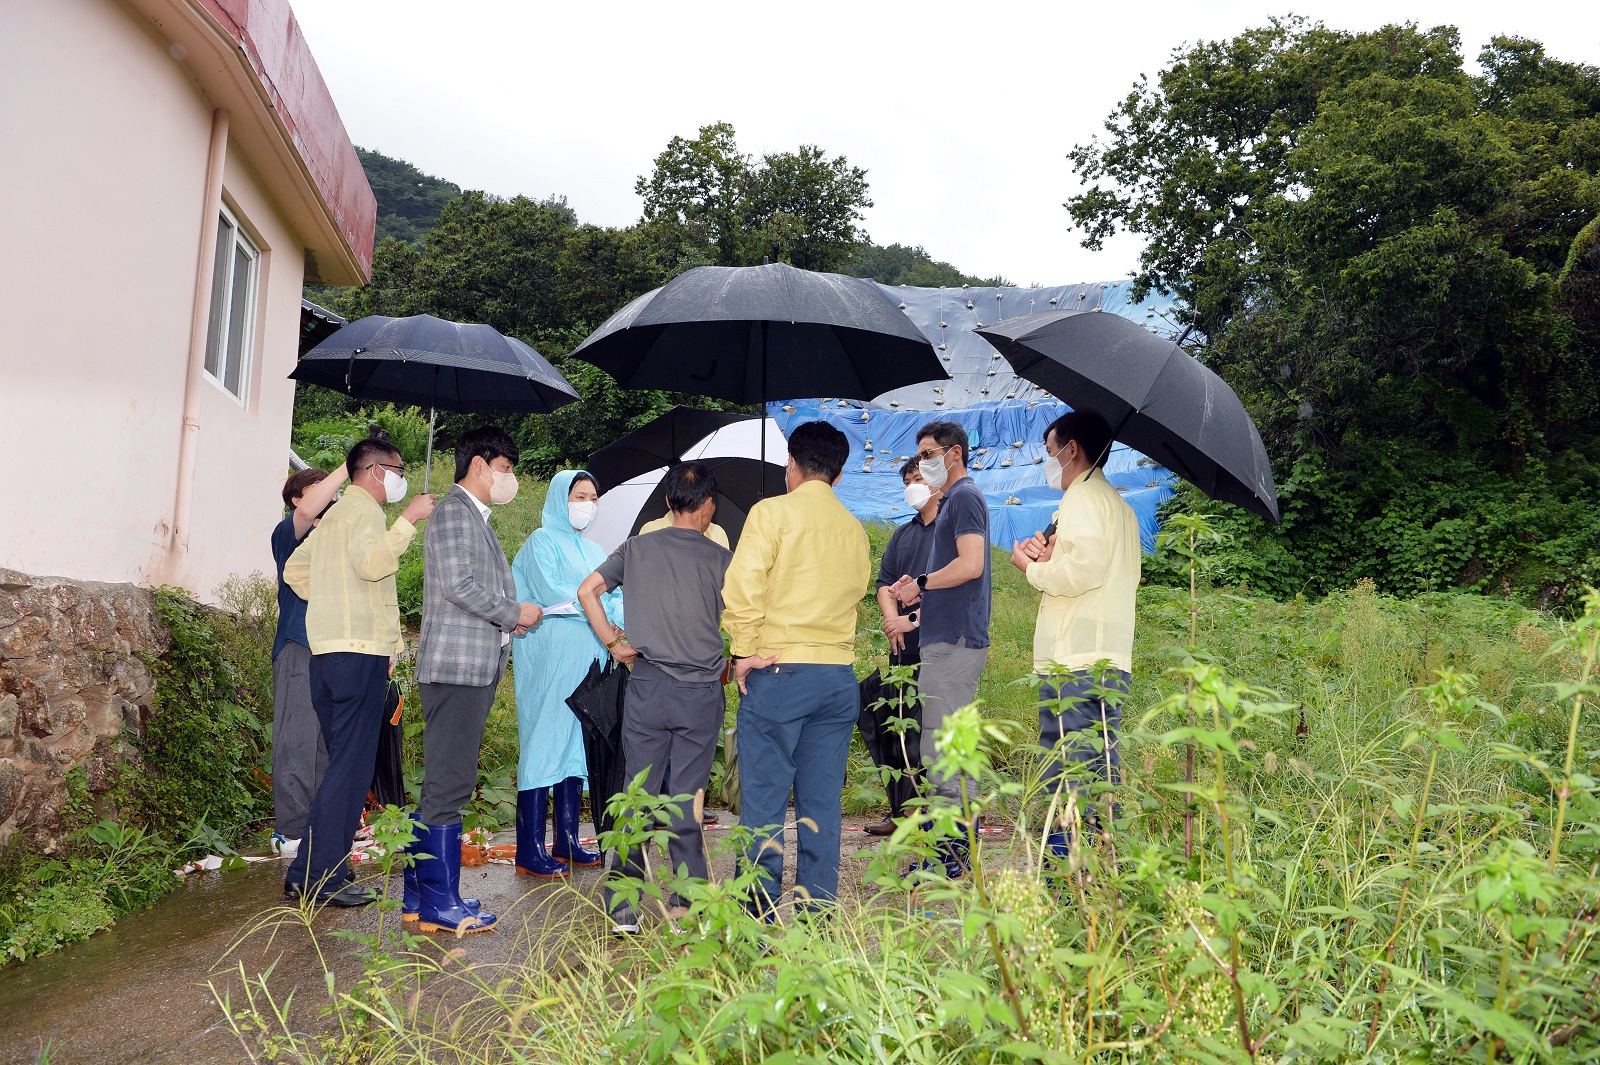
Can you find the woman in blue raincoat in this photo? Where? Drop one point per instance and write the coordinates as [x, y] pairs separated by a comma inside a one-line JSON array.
[[549, 662]]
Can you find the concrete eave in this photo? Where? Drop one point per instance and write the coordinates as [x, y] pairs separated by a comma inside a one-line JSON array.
[[250, 57]]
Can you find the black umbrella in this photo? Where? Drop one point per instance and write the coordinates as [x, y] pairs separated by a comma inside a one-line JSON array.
[[660, 442], [1157, 398], [388, 774], [597, 704], [429, 362], [756, 333], [751, 334], [880, 702], [741, 484]]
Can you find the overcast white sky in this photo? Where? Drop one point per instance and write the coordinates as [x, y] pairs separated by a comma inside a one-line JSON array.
[[962, 114]]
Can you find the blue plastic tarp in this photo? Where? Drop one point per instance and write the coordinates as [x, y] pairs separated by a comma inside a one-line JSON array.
[[1007, 462]]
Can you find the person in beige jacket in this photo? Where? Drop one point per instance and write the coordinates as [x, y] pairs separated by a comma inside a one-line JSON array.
[[345, 573], [1088, 572]]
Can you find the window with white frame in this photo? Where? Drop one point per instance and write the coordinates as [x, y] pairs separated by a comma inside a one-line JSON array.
[[234, 280]]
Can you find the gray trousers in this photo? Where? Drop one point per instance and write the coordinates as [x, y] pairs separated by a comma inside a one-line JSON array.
[[1080, 721], [948, 682], [299, 755], [670, 727], [453, 718]]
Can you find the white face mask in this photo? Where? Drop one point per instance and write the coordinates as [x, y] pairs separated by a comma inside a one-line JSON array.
[[581, 514], [1052, 472], [933, 470], [504, 488], [917, 495], [395, 487]]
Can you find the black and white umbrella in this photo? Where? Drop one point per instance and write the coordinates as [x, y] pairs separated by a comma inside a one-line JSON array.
[[734, 455]]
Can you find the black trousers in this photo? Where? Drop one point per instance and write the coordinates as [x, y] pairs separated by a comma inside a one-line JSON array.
[[347, 690], [897, 750], [670, 727], [454, 716]]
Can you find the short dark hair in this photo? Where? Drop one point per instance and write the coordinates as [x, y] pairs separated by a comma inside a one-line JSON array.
[[819, 450], [299, 481], [488, 442], [688, 486], [947, 434], [365, 450], [581, 476], [1087, 428], [908, 468]]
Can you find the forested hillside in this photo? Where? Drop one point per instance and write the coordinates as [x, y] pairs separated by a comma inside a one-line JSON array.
[[1393, 260]]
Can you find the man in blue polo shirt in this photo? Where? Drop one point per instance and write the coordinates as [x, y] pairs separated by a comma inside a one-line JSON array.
[[953, 590]]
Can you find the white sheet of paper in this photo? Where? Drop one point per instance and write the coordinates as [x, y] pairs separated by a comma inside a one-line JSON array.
[[569, 607]]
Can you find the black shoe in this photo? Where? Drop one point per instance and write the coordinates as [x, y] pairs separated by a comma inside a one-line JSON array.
[[347, 897], [881, 828], [709, 818]]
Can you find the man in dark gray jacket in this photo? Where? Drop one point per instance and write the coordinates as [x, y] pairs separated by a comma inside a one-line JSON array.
[[469, 614]]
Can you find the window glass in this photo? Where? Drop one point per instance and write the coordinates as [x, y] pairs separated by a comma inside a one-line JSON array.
[[234, 285], [238, 318], [219, 297]]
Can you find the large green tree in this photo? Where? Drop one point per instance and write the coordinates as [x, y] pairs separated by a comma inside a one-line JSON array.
[[1372, 240], [797, 207]]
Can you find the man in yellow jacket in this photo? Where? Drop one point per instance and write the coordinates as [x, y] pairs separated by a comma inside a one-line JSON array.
[[1083, 640], [789, 607], [345, 573]]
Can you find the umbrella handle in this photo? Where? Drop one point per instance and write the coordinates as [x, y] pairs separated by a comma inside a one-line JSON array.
[[427, 475]]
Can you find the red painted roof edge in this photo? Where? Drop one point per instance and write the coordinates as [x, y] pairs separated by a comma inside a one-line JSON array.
[[269, 35]]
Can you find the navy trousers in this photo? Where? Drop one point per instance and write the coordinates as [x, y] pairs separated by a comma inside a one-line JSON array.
[[347, 690], [794, 735], [1080, 722]]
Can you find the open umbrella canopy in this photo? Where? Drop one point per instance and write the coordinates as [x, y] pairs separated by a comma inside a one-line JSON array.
[[741, 483], [1156, 397], [756, 333], [660, 442], [429, 362]]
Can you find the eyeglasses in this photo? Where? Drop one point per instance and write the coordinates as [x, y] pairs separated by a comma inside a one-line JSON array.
[[400, 469], [926, 455]]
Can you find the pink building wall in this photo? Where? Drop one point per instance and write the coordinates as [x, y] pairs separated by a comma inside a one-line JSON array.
[[107, 129]]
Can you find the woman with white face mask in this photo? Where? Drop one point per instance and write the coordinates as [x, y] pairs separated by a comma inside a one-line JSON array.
[[548, 662]]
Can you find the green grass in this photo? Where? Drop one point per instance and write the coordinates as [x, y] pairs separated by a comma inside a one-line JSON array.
[[1389, 853]]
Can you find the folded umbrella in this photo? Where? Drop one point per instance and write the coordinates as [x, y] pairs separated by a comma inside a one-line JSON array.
[[597, 704], [1157, 398], [388, 774]]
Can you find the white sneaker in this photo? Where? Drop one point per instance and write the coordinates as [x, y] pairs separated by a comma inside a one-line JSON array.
[[285, 848], [625, 922]]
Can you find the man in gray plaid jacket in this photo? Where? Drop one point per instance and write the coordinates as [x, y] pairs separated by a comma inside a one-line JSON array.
[[469, 614]]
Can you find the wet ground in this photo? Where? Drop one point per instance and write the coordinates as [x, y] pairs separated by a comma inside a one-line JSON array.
[[138, 992]]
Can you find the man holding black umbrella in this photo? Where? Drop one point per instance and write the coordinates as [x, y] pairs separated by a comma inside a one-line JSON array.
[[345, 573], [1088, 573]]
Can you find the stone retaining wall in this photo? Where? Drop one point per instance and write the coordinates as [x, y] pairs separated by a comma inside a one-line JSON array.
[[74, 691]]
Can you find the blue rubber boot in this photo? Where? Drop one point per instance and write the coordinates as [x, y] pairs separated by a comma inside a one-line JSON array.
[[568, 799], [438, 881], [533, 809], [411, 896]]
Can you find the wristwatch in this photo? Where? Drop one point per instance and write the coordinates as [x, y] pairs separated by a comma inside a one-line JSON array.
[[922, 583], [915, 617]]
